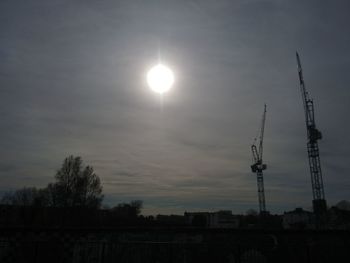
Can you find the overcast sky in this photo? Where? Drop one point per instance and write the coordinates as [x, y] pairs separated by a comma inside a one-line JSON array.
[[72, 81]]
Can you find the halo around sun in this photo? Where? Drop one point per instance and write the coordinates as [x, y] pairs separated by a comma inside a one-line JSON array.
[[160, 78]]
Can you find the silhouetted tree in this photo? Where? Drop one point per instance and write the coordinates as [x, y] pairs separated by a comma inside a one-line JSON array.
[[25, 196], [137, 205], [42, 198], [343, 205], [75, 186], [128, 210]]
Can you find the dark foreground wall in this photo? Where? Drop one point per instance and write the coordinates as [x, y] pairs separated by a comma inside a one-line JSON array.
[[171, 245]]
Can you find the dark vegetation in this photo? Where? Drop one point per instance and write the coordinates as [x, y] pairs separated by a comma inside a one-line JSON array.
[[74, 186], [75, 199]]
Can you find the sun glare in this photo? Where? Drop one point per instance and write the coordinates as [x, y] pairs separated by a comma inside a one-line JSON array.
[[160, 78]]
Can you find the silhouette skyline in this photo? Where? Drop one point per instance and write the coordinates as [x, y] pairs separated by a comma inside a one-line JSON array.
[[72, 81]]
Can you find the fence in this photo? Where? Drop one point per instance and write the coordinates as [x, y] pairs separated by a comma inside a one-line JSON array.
[[178, 245]]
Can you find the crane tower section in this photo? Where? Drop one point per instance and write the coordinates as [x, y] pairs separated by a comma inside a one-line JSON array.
[[313, 135], [258, 166]]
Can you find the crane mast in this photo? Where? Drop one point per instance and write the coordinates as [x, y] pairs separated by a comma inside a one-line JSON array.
[[313, 135], [258, 166]]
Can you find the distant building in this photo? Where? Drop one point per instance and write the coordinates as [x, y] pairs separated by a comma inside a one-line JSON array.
[[171, 220], [220, 219], [339, 218], [298, 219]]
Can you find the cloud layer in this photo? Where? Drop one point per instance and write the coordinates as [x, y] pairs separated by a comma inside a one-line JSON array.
[[72, 81]]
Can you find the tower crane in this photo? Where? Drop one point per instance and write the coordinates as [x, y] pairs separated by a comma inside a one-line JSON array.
[[258, 166], [313, 135]]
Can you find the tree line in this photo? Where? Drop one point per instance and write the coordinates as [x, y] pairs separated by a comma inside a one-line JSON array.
[[75, 185]]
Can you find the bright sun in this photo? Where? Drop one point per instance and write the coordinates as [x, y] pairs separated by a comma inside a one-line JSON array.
[[160, 78]]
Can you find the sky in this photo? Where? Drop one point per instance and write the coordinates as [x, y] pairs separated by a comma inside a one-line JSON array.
[[73, 81]]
